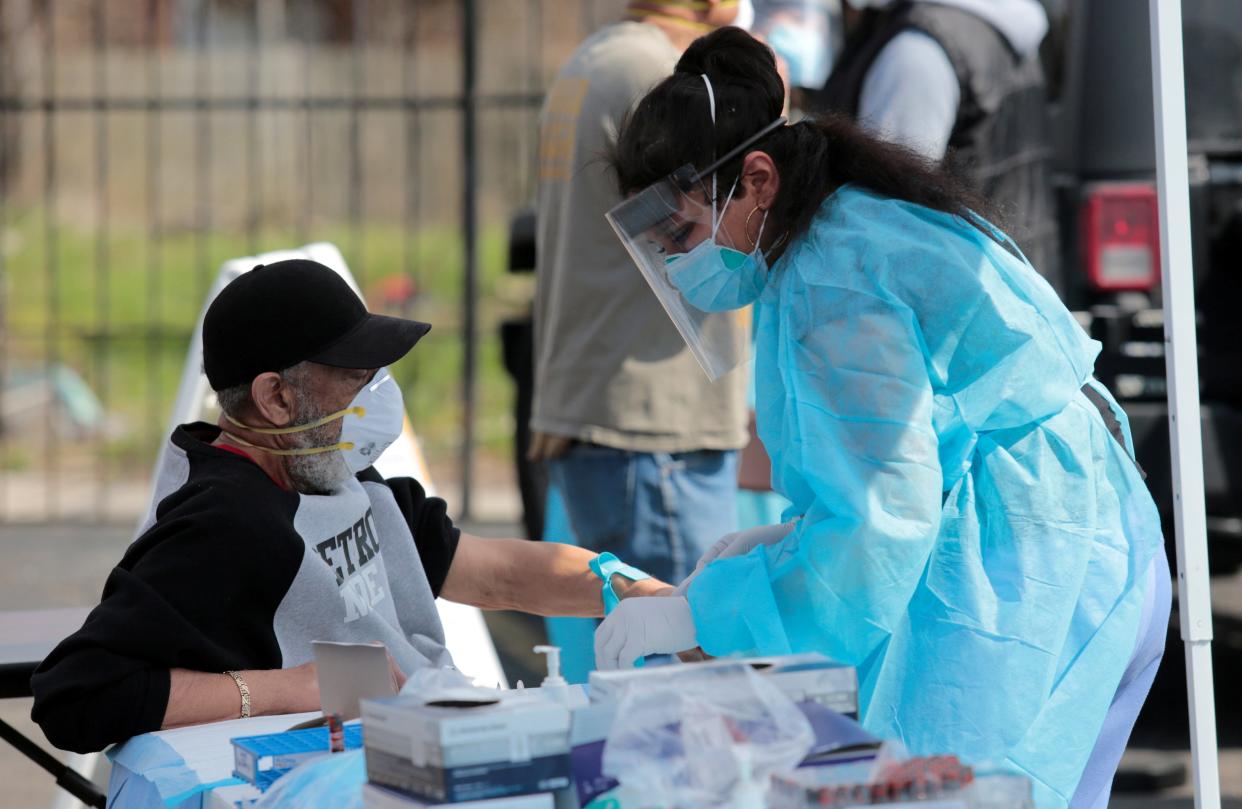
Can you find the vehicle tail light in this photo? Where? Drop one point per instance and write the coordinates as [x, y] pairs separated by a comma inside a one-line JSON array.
[[1121, 229]]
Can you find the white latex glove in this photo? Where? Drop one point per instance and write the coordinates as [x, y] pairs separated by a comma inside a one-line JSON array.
[[644, 626], [739, 543]]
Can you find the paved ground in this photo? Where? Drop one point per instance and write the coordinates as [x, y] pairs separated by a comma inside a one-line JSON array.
[[47, 567], [61, 566]]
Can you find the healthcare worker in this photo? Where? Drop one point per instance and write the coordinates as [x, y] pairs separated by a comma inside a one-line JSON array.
[[968, 526]]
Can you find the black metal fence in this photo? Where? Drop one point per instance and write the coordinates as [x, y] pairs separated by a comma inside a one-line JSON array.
[[145, 142]]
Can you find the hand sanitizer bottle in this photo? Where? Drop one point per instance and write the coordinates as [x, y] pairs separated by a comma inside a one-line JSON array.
[[554, 685]]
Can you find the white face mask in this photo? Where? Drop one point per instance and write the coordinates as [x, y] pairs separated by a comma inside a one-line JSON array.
[[381, 422], [372, 422]]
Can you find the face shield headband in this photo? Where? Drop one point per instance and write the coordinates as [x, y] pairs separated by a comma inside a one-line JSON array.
[[688, 178]]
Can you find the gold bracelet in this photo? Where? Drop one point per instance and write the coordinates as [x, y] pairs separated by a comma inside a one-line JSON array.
[[245, 692]]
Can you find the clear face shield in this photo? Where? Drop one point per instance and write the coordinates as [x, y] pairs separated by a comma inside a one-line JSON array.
[[667, 228]]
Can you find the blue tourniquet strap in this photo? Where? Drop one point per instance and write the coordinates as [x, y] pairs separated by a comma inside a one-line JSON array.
[[605, 566]]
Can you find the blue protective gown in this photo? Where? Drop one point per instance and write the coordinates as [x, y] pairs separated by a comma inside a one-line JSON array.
[[972, 538]]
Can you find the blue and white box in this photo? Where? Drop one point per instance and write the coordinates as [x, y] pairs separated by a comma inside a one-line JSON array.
[[264, 758]]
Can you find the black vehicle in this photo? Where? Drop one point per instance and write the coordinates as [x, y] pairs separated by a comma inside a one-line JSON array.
[[1098, 62]]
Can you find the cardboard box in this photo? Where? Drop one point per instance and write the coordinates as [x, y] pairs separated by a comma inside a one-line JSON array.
[[377, 797], [515, 745]]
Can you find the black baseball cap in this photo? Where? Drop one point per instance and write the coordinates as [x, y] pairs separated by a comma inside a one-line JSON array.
[[280, 314]]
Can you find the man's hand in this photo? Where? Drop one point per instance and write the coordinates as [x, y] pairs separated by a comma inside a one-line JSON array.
[[546, 447], [398, 676], [628, 588]]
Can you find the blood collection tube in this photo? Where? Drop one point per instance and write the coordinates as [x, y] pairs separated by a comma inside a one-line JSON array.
[[336, 733]]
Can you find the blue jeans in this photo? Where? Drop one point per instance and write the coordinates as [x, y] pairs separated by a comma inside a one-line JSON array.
[[657, 511]]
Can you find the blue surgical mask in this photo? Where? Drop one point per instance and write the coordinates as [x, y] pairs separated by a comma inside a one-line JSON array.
[[805, 49], [715, 278]]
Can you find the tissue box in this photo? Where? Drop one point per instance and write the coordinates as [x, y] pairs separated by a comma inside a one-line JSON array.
[[515, 745], [802, 677]]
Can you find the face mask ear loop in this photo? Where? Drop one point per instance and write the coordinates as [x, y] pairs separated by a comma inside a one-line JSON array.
[[759, 236], [342, 445], [711, 100], [301, 428], [725, 207]]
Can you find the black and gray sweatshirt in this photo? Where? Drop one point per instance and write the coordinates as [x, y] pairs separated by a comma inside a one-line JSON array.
[[231, 572]]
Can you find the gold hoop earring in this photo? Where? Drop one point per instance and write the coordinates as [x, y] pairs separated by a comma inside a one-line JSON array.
[[746, 228]]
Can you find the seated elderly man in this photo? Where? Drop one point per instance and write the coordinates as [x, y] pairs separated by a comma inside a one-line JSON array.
[[272, 530]]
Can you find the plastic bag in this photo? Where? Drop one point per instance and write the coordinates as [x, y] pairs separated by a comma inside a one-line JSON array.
[[704, 738], [333, 779]]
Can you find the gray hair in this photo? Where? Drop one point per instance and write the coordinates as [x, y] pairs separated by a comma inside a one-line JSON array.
[[236, 400]]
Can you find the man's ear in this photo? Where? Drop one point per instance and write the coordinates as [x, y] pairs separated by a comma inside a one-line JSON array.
[[273, 398], [760, 179]]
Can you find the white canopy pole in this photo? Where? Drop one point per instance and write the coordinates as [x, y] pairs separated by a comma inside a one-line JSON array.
[[1181, 358]]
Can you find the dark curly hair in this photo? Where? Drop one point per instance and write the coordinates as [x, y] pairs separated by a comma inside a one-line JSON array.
[[672, 126]]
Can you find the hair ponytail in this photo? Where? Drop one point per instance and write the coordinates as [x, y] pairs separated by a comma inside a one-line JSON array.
[[819, 155]]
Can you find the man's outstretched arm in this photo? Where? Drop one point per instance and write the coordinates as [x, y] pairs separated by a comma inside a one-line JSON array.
[[543, 578]]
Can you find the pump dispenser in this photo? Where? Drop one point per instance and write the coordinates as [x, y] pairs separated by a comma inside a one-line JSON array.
[[554, 677], [749, 792], [554, 686]]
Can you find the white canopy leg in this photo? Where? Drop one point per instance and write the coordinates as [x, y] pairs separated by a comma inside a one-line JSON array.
[[1181, 357]]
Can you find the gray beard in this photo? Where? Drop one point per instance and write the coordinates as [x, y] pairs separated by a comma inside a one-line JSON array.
[[318, 474], [323, 472]]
